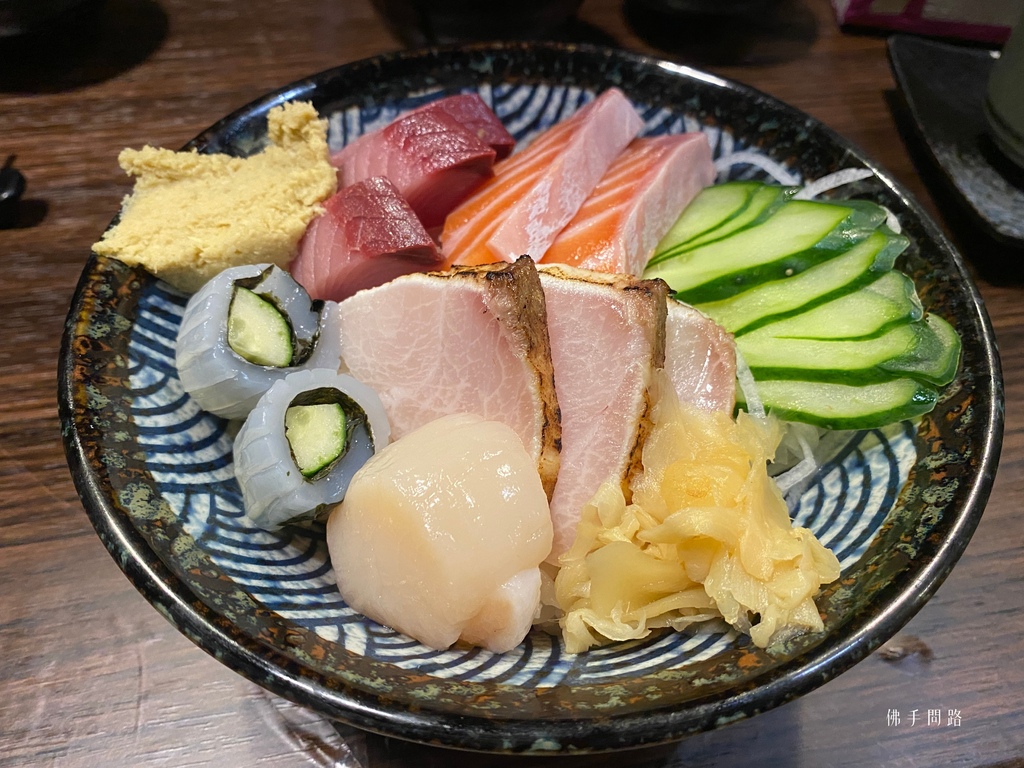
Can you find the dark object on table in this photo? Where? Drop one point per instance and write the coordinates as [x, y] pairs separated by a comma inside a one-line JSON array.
[[18, 17], [85, 43], [724, 32], [12, 187], [944, 87], [904, 647], [432, 22], [1004, 97], [717, 8]]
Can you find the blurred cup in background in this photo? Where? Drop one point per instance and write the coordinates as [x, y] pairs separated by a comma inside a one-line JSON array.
[[1004, 102], [19, 17], [687, 9]]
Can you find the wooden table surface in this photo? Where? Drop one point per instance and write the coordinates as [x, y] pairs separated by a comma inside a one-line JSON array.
[[91, 675]]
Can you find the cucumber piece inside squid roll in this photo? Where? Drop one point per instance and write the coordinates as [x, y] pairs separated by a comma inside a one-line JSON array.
[[317, 435], [302, 443], [258, 331], [247, 328]]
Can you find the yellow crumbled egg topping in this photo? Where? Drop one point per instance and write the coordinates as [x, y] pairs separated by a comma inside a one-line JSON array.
[[707, 535], [192, 215]]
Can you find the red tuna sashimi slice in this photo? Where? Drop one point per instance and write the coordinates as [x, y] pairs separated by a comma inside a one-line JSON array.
[[537, 191], [432, 159], [366, 236], [607, 338], [469, 340], [473, 114], [700, 359], [635, 204]]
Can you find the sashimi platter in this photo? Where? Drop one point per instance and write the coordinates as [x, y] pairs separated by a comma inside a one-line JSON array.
[[528, 398]]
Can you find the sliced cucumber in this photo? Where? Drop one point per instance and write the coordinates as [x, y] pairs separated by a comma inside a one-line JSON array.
[[797, 236], [778, 299], [317, 435], [716, 212], [934, 358], [865, 217], [258, 331], [869, 311], [831, 332], [842, 406], [712, 207], [763, 203], [915, 349]]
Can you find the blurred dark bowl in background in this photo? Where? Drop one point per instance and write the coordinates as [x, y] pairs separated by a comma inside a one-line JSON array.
[[19, 17], [688, 9], [434, 22]]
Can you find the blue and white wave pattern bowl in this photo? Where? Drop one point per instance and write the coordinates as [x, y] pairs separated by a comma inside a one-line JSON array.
[[896, 505]]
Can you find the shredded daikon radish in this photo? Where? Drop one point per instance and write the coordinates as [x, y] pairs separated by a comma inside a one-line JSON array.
[[773, 168], [839, 179], [745, 378], [807, 466], [891, 221], [831, 181]]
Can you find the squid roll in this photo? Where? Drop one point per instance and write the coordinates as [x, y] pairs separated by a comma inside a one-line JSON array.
[[245, 329], [298, 449]]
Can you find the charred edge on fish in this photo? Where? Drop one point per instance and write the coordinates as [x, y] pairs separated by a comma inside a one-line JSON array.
[[518, 302], [654, 293]]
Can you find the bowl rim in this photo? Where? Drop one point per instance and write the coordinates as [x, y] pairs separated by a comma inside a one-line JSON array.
[[280, 674]]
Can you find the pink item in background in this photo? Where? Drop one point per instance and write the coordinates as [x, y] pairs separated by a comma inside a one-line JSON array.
[[987, 21]]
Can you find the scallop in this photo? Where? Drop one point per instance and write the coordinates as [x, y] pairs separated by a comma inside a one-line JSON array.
[[441, 534]]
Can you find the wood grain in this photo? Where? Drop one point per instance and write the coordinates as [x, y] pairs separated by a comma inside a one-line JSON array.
[[91, 675]]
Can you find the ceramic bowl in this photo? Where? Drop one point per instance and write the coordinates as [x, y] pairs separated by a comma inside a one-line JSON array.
[[897, 505]]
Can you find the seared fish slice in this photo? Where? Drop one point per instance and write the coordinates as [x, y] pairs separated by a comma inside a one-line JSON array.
[[607, 337], [472, 340], [700, 358]]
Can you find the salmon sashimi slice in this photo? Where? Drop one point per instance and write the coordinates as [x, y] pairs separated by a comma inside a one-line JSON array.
[[635, 204], [607, 338], [538, 190], [366, 236], [469, 225], [700, 359], [469, 340]]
